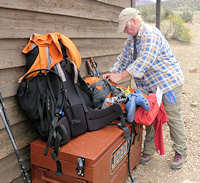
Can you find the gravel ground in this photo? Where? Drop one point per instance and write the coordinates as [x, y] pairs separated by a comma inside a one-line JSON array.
[[157, 170]]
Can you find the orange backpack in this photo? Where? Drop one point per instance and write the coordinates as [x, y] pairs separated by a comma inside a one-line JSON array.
[[50, 52]]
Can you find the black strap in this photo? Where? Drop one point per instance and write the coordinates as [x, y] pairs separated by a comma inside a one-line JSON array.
[[48, 141], [54, 154], [133, 131], [122, 125], [129, 169], [82, 100], [40, 105], [131, 142], [53, 126], [63, 49], [51, 94], [135, 49], [57, 143]]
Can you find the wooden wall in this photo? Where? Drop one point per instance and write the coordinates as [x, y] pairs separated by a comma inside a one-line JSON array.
[[92, 26]]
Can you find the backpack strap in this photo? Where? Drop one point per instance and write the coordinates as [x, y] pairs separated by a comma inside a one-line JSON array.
[[40, 109], [76, 77], [57, 142], [132, 141], [129, 137], [53, 116], [43, 81], [122, 125], [59, 70], [63, 77], [133, 132], [54, 154]]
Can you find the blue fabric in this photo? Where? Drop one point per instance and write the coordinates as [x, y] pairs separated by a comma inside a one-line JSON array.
[[131, 108], [141, 100], [170, 96]]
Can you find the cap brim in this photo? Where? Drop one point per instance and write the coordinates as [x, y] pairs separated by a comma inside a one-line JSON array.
[[121, 26]]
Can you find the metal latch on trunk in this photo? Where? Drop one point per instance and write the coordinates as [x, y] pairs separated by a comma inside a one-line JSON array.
[[80, 168]]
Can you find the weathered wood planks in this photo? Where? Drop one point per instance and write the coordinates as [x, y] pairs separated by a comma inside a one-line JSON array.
[[11, 49], [92, 26], [98, 9], [23, 23]]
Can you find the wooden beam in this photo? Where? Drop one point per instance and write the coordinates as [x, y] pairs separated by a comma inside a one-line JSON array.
[[133, 3], [158, 13]]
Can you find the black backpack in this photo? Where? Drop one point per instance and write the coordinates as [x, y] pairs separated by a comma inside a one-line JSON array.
[[60, 104]]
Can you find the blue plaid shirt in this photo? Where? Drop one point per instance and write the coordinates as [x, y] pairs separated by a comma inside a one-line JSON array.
[[155, 65]]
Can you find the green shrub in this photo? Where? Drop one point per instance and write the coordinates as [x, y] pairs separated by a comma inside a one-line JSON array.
[[148, 13], [165, 13], [166, 29], [187, 15], [175, 5], [179, 31]]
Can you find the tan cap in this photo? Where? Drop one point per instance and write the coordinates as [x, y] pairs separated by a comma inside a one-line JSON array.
[[126, 15]]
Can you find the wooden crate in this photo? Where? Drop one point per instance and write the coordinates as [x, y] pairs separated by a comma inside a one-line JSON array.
[[104, 151]]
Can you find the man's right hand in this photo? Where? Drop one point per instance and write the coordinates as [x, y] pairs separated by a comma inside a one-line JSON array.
[[106, 76], [115, 76]]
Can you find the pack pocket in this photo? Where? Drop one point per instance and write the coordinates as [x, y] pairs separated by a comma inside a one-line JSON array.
[[64, 130], [99, 118], [77, 120]]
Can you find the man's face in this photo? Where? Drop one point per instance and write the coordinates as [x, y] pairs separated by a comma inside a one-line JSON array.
[[132, 27]]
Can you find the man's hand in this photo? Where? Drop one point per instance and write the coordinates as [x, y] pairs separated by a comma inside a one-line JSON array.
[[115, 76]]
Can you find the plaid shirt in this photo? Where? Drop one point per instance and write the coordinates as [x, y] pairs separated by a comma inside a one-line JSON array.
[[155, 64]]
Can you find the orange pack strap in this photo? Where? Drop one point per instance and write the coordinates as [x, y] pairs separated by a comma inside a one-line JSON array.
[[91, 80]]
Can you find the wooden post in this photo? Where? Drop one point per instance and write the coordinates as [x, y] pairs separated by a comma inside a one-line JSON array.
[[158, 10], [133, 3]]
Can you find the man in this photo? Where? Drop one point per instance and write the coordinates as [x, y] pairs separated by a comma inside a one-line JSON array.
[[147, 57]]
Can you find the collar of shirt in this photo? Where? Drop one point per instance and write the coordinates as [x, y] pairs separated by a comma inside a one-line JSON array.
[[141, 31]]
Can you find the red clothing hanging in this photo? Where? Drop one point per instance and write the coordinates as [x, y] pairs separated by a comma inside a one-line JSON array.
[[156, 116]]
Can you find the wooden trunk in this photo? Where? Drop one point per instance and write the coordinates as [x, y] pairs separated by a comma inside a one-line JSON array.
[[104, 151]]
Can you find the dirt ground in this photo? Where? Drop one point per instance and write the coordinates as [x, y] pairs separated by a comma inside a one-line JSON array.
[[157, 170]]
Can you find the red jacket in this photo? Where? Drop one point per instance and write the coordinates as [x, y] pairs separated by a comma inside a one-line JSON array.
[[156, 116]]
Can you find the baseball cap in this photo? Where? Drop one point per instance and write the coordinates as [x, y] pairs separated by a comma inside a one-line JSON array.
[[126, 15]]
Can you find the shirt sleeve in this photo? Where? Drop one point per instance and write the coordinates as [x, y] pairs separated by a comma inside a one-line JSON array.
[[123, 60], [147, 55]]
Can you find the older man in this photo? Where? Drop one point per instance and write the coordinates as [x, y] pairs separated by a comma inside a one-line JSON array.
[[147, 57]]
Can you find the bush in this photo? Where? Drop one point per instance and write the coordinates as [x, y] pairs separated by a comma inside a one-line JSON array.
[[187, 15], [165, 13], [175, 5], [179, 31], [148, 13], [166, 29]]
